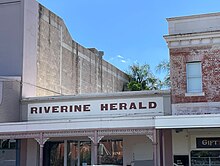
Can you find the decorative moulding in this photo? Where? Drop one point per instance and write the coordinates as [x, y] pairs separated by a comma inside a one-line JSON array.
[[193, 39]]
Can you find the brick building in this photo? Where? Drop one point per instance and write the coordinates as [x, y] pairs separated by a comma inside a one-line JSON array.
[[194, 46], [52, 111]]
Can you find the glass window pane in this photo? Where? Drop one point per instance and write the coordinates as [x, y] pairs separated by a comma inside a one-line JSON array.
[[8, 152], [205, 157], [85, 153], [194, 77], [194, 85], [54, 154], [194, 69], [72, 158], [110, 152]]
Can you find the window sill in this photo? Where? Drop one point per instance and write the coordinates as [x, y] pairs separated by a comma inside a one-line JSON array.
[[194, 94]]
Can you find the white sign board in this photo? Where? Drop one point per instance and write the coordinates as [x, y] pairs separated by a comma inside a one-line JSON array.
[[96, 108]]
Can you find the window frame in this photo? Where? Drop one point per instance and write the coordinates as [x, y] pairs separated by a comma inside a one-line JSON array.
[[189, 78]]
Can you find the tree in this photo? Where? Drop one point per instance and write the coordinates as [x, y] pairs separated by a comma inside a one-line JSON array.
[[164, 66], [141, 78]]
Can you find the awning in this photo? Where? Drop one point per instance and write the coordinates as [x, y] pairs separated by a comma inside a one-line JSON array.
[[187, 121]]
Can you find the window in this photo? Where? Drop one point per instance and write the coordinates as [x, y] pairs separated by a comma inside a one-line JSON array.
[[205, 157], [110, 152], [8, 152], [194, 77]]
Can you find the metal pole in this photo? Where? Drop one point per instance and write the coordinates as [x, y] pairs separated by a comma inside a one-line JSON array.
[[65, 153], [41, 154], [78, 145], [95, 148]]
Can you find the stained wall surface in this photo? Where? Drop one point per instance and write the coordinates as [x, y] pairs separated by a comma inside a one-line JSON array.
[[66, 67], [196, 40]]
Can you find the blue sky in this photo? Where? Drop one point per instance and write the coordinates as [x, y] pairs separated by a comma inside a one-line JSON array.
[[128, 31]]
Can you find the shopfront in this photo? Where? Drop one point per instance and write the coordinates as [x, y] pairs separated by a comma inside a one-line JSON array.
[[100, 129], [206, 149], [195, 139], [78, 152], [8, 152]]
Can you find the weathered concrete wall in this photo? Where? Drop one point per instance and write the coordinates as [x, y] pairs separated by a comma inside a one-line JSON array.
[[65, 67]]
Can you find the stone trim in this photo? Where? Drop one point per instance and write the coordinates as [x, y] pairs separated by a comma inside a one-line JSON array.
[[193, 39]]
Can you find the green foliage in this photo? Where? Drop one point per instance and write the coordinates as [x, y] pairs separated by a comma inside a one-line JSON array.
[[134, 86], [164, 66], [141, 78]]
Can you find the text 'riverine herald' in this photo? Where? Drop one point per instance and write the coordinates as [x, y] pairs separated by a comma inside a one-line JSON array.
[[87, 107]]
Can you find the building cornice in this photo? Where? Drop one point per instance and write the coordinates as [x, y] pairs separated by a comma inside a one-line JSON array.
[[193, 39], [194, 16]]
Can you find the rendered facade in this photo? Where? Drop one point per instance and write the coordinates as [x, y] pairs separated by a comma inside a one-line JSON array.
[[39, 58], [54, 109], [44, 60]]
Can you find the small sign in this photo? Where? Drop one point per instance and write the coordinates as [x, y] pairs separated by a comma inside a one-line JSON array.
[[181, 160], [210, 142]]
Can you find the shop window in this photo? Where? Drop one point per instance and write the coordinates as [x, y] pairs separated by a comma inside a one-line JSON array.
[[7, 144], [54, 154], [78, 153], [85, 153], [194, 77], [73, 153], [205, 157], [110, 152], [8, 152]]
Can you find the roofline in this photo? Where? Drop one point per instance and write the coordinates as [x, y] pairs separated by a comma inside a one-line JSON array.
[[124, 94], [193, 16]]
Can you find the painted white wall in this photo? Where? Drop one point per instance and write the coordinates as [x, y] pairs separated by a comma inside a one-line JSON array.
[[11, 38], [195, 23], [196, 108], [32, 152], [181, 142], [137, 148], [30, 36]]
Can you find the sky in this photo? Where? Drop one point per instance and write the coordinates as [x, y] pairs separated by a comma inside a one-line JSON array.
[[128, 31]]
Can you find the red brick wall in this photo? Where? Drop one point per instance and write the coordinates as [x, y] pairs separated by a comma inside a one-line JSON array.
[[210, 60]]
